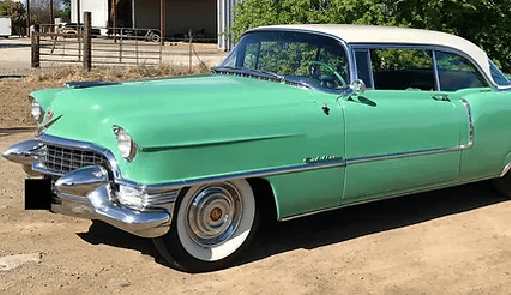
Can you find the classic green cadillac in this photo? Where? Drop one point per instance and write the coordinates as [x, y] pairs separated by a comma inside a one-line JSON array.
[[296, 120]]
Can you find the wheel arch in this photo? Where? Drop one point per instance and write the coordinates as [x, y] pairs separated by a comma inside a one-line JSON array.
[[265, 198], [506, 166]]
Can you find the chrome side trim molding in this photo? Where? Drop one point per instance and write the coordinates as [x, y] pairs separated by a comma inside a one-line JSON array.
[[253, 173], [505, 170], [471, 127], [289, 169], [335, 162]]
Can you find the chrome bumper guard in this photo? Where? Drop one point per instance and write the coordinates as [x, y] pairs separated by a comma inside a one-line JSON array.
[[87, 193], [97, 205]]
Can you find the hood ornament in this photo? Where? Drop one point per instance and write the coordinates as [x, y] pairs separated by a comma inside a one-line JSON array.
[[48, 121]]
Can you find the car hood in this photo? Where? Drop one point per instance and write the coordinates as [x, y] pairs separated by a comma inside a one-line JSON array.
[[150, 109]]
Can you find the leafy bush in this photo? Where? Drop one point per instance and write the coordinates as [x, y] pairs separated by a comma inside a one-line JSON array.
[[483, 22]]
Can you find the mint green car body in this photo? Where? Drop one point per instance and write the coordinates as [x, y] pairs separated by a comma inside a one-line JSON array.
[[215, 125], [296, 120]]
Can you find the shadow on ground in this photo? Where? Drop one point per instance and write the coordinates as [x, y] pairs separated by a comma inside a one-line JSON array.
[[334, 226]]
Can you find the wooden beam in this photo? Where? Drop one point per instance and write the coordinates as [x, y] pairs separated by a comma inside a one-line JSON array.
[[28, 18], [133, 14], [78, 19], [87, 41], [115, 21], [52, 17], [162, 21]]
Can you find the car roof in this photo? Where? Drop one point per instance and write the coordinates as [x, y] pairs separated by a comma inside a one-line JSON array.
[[394, 35]]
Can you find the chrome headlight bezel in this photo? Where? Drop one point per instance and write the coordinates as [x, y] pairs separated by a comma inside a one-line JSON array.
[[36, 111], [127, 147]]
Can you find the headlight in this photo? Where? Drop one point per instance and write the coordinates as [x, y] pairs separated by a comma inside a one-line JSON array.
[[126, 146], [37, 112]]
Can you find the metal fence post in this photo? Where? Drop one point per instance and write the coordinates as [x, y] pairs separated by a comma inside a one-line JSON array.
[[35, 46], [120, 47], [189, 51], [87, 41]]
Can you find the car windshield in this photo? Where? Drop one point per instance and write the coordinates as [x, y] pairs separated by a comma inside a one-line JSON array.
[[317, 61]]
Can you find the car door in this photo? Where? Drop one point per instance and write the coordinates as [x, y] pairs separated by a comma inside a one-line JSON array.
[[402, 134]]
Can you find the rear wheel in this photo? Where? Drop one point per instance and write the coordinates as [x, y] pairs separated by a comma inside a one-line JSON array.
[[212, 225], [503, 185]]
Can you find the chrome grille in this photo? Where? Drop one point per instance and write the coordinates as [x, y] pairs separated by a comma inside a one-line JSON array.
[[62, 160]]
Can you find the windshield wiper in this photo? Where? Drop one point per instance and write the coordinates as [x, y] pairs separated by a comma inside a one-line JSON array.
[[247, 71], [272, 74], [227, 69], [259, 73]]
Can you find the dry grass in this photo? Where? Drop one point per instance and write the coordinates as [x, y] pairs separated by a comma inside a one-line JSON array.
[[65, 74], [15, 105]]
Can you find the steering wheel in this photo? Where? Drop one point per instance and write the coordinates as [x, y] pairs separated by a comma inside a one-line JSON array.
[[329, 68]]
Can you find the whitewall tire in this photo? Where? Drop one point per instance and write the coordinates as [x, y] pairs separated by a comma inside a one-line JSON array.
[[212, 225]]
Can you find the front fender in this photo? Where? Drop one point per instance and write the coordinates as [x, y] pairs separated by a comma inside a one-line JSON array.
[[191, 146]]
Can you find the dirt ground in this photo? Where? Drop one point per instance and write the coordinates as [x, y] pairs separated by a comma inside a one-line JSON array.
[[451, 241]]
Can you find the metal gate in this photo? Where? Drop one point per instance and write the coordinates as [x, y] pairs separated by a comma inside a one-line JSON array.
[[54, 45]]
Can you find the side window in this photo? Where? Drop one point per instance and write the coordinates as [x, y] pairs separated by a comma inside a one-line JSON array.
[[403, 68], [364, 67], [456, 72]]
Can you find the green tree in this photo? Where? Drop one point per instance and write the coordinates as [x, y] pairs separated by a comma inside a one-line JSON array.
[[483, 22], [14, 10], [66, 13]]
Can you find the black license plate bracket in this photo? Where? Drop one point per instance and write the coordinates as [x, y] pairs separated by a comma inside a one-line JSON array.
[[38, 195]]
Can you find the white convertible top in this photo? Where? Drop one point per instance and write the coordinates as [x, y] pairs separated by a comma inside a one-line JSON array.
[[387, 34]]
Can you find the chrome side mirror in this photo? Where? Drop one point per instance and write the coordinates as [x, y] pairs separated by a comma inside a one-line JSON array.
[[358, 87]]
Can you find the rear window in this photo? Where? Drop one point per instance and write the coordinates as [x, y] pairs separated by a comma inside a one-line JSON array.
[[497, 75]]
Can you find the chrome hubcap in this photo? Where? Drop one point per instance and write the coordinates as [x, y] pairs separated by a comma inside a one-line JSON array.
[[214, 214]]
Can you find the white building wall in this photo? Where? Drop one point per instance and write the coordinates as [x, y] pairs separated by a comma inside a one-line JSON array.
[[98, 9], [5, 26]]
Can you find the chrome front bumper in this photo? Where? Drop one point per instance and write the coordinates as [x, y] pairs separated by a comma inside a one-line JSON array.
[[89, 193], [97, 205]]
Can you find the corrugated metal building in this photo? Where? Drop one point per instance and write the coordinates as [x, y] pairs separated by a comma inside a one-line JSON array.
[[206, 18]]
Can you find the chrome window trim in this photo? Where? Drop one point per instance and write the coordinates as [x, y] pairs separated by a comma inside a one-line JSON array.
[[369, 64], [432, 47], [500, 87], [347, 50], [435, 68]]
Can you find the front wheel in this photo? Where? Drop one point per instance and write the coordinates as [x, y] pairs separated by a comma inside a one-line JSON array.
[[212, 225]]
